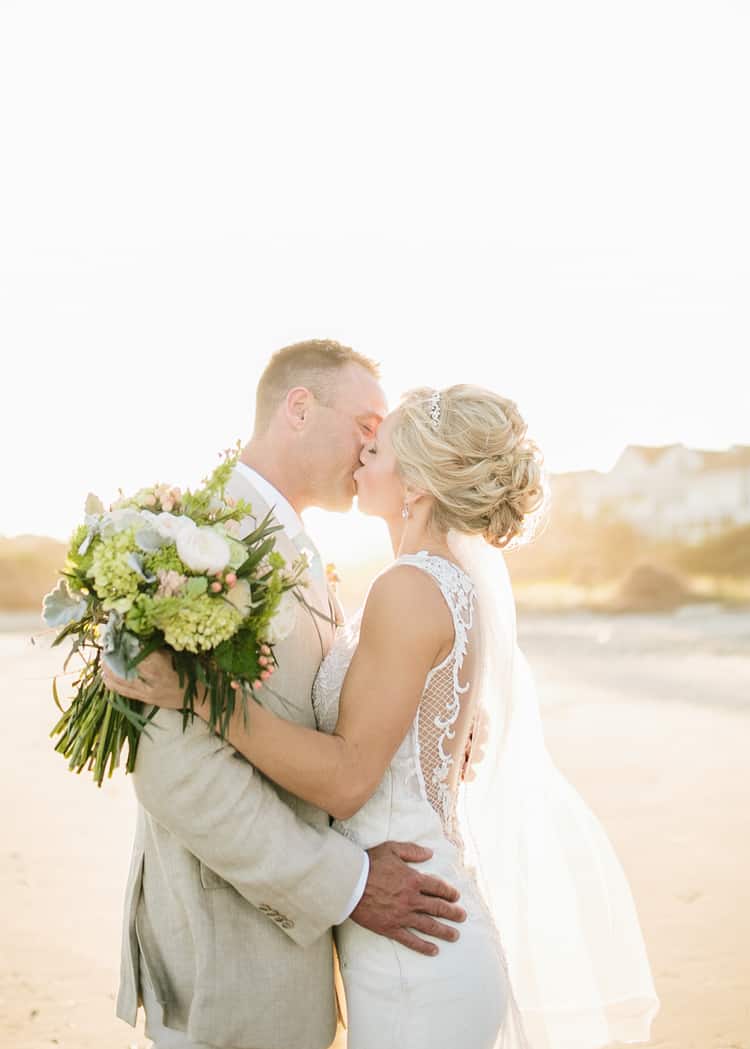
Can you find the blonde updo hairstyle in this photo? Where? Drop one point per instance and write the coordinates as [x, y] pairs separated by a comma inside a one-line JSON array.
[[484, 474]]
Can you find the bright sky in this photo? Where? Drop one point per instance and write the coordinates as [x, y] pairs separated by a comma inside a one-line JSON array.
[[549, 199]]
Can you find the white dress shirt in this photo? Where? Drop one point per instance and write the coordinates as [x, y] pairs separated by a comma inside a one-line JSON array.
[[292, 523], [282, 508]]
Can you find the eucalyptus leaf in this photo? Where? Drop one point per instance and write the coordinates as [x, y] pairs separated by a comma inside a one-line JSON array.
[[109, 630], [60, 607], [87, 540], [136, 563], [121, 657], [196, 585]]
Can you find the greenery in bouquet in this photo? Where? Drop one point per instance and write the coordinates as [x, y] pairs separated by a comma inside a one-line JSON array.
[[167, 569]]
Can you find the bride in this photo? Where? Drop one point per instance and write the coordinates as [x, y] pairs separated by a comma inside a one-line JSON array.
[[429, 731]]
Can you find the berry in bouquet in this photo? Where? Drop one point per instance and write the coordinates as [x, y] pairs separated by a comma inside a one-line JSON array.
[[168, 570]]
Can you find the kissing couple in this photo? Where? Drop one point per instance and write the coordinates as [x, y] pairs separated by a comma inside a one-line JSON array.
[[392, 791]]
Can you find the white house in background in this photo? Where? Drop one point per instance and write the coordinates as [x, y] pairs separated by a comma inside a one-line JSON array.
[[671, 491]]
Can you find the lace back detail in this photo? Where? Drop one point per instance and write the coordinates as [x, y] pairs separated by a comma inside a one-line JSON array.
[[444, 717]]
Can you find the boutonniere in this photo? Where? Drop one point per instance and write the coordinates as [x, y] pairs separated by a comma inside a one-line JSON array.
[[332, 575]]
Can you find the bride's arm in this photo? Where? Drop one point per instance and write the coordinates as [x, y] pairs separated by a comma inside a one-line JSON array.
[[406, 628]]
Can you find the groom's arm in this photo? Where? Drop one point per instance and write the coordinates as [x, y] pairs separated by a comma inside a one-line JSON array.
[[224, 811]]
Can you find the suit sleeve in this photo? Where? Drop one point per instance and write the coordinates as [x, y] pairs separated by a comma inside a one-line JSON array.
[[226, 813]]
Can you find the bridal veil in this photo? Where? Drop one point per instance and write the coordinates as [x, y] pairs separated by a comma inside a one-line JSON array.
[[561, 902]]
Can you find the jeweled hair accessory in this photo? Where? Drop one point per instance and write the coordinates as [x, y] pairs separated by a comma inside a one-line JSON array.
[[435, 408]]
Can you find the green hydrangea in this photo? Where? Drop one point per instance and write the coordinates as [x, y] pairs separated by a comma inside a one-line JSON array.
[[75, 561], [115, 582], [164, 559], [77, 538], [140, 617], [194, 624]]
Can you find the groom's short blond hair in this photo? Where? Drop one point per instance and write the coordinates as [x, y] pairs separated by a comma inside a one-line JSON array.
[[313, 364]]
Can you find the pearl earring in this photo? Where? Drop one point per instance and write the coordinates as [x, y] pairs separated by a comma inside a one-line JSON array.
[[405, 511]]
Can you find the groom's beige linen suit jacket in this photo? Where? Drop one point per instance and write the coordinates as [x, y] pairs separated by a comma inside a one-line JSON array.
[[234, 884]]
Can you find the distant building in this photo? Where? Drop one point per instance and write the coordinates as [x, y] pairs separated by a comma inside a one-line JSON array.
[[670, 491]]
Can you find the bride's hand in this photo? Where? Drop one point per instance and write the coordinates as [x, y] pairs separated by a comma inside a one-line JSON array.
[[476, 745], [157, 682]]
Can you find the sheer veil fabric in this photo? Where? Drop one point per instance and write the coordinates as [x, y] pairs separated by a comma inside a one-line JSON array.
[[560, 900]]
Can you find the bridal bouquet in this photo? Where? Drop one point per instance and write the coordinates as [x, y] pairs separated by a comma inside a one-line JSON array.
[[166, 569]]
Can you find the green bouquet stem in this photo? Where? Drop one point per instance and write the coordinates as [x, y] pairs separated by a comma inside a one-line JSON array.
[[98, 722], [94, 728]]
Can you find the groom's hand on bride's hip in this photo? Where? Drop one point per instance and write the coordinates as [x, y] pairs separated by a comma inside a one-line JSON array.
[[400, 902]]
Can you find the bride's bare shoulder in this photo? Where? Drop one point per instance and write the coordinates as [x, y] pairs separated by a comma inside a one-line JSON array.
[[406, 600]]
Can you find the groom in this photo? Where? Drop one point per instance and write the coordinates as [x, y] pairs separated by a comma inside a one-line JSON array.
[[234, 883]]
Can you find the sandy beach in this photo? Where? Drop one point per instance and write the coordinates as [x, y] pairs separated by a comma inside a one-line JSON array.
[[648, 716]]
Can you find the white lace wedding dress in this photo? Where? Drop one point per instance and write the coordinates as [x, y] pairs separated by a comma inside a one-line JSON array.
[[397, 998]]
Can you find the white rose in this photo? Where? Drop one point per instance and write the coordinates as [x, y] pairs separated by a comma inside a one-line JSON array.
[[239, 596], [202, 549], [119, 520], [169, 526], [284, 619]]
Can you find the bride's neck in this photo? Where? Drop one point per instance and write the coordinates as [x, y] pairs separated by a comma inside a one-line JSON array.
[[410, 536]]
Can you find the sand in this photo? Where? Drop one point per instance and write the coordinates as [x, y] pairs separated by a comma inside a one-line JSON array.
[[649, 717]]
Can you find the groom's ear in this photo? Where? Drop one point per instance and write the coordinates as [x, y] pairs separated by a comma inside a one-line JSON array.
[[298, 403]]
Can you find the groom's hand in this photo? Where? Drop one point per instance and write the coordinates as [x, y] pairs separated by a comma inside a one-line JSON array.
[[398, 900]]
